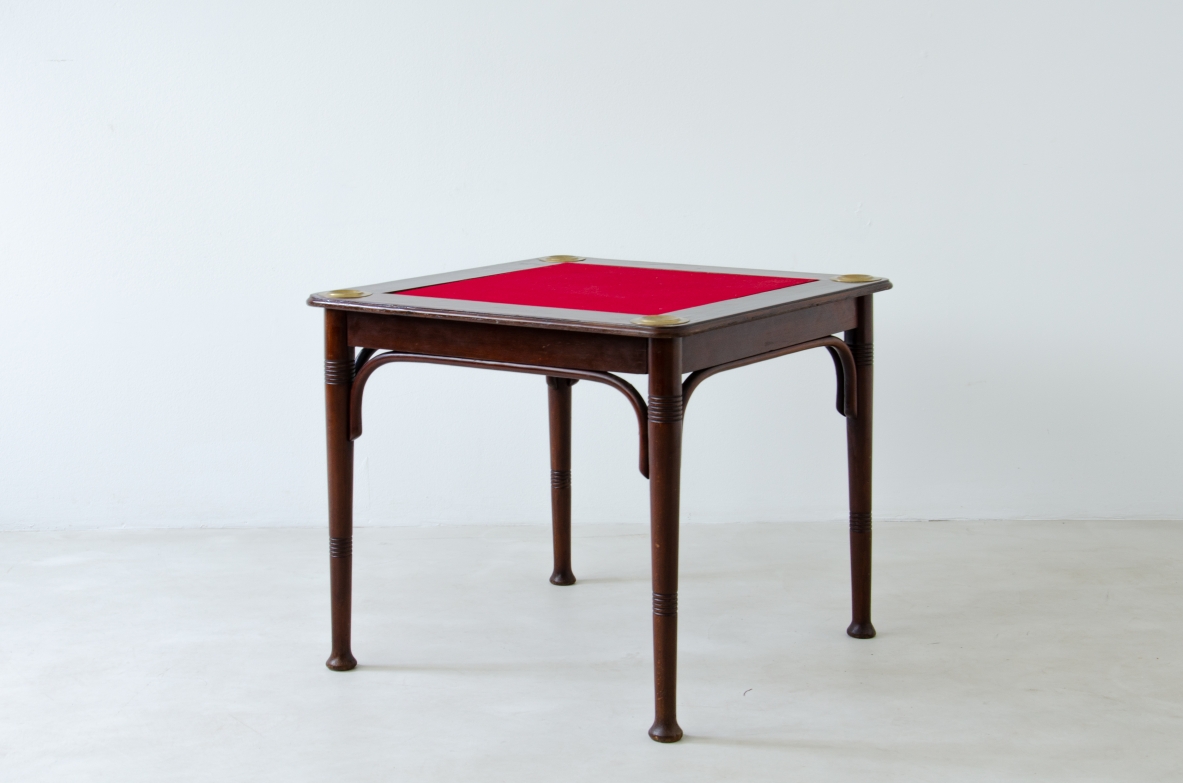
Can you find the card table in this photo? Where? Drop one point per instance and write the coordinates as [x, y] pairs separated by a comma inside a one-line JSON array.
[[571, 318]]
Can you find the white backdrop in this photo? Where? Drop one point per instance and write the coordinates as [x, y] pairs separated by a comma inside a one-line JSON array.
[[176, 178]]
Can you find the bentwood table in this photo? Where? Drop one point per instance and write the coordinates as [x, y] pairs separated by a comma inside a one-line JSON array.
[[570, 318]]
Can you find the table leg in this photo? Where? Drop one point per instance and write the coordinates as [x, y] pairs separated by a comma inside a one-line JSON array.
[[858, 448], [559, 396], [665, 465], [338, 380]]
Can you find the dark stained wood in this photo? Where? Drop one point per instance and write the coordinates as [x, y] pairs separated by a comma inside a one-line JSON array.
[[842, 400], [719, 346], [363, 356], [665, 469], [366, 369], [569, 345], [559, 399], [609, 353], [858, 448], [338, 375], [843, 363]]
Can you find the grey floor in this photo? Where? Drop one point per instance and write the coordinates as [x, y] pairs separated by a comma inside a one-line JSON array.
[[1007, 651]]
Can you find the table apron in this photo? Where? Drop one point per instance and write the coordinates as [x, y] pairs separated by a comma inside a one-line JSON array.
[[592, 351], [497, 342], [718, 346]]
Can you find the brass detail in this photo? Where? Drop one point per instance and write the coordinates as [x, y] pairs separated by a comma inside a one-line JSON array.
[[563, 259], [346, 293], [856, 279], [660, 320]]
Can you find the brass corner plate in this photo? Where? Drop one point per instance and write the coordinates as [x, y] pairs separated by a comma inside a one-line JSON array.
[[660, 320], [563, 259], [856, 279], [346, 293]]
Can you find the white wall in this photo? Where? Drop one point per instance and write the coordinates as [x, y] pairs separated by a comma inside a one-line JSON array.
[[175, 179]]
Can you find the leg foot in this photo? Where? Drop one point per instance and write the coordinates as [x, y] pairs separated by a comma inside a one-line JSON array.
[[341, 662], [668, 731], [861, 630], [562, 578], [860, 577]]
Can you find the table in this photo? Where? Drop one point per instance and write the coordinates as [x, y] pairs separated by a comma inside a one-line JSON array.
[[571, 318]]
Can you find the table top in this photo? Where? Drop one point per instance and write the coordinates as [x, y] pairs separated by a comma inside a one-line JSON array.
[[602, 295]]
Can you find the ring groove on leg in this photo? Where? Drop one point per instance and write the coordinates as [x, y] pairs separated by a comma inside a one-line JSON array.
[[560, 479], [341, 547], [665, 409], [665, 604], [864, 354], [860, 522], [338, 372]]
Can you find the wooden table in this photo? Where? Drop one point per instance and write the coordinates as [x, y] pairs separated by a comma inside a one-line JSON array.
[[569, 319]]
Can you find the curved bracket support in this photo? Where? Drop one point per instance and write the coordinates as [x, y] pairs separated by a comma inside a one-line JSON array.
[[365, 369], [363, 356], [843, 364]]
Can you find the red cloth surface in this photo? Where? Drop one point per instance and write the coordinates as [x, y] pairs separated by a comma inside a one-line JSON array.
[[606, 289]]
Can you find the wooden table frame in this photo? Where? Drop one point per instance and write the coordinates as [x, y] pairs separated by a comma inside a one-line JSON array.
[[567, 346]]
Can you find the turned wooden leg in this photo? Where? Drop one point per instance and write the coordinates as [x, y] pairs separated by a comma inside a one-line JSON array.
[[559, 395], [338, 380], [665, 465], [858, 450]]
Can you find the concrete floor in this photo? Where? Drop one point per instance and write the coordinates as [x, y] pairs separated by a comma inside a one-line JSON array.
[[1007, 651]]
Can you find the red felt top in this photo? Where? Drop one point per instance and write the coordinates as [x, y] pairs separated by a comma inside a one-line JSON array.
[[606, 289]]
